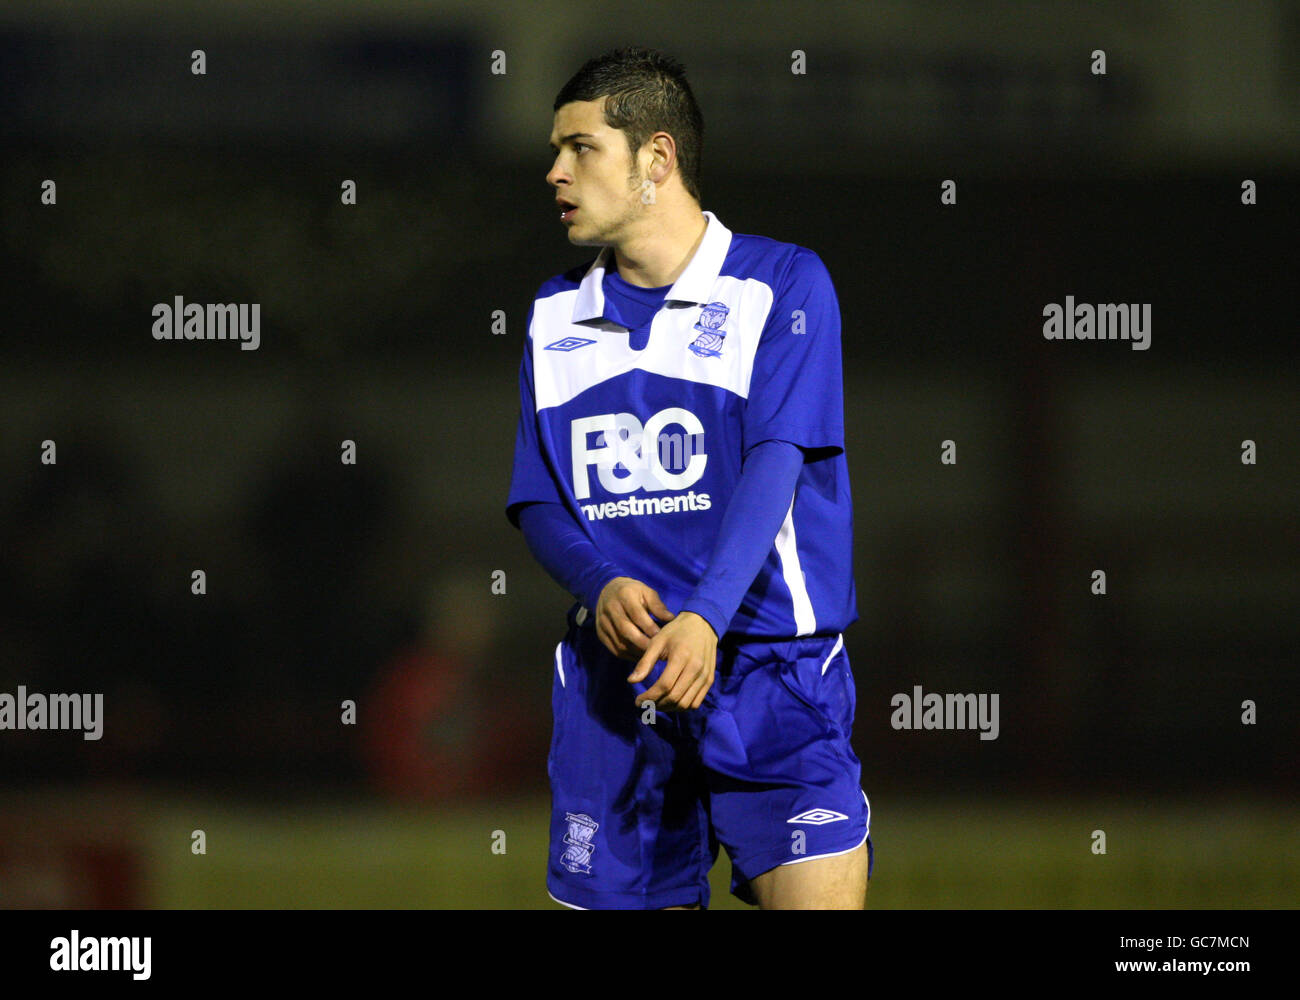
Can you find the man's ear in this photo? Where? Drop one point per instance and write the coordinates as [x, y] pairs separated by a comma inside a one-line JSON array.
[[663, 163]]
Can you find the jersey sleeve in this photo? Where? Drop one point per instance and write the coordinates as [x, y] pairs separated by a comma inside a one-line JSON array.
[[533, 479], [796, 391], [750, 523], [565, 551]]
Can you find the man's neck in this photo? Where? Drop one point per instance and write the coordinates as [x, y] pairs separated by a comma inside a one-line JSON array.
[[660, 258]]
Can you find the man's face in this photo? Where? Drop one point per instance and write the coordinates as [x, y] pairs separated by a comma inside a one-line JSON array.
[[594, 171]]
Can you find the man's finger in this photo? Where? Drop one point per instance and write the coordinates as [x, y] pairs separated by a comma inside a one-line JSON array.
[[686, 682], [608, 623], [693, 694], [665, 682], [657, 607], [607, 637], [633, 636], [644, 622], [648, 659], [698, 700]]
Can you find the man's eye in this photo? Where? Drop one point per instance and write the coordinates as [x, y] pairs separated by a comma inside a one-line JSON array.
[[580, 145]]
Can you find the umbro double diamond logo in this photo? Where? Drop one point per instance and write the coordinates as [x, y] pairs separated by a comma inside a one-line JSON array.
[[817, 817], [569, 344]]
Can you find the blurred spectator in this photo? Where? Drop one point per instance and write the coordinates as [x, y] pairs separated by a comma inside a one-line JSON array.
[[441, 720]]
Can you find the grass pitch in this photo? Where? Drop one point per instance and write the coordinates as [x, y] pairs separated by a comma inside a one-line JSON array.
[[1215, 853]]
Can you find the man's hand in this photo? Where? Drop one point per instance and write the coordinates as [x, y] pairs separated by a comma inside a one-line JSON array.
[[690, 646], [623, 620]]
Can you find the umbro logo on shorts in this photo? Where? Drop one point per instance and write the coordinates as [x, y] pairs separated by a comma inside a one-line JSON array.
[[817, 817], [568, 344]]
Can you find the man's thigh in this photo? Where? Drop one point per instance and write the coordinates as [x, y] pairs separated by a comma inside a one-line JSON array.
[[838, 882], [784, 782]]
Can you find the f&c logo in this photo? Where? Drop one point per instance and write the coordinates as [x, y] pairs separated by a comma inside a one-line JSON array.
[[629, 456]]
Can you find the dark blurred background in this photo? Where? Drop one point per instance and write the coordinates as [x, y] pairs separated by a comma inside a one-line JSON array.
[[374, 581]]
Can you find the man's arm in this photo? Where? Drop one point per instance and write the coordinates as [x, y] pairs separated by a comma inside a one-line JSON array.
[[621, 606], [568, 555], [750, 523]]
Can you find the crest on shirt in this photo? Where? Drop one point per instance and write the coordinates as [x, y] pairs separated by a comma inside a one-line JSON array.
[[709, 343], [579, 848]]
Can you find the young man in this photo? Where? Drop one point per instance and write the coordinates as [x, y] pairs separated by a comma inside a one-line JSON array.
[[679, 468]]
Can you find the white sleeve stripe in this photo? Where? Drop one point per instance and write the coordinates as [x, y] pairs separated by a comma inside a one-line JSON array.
[[805, 622], [559, 665]]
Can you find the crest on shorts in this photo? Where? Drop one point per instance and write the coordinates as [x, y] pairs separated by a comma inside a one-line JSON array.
[[579, 849], [709, 343]]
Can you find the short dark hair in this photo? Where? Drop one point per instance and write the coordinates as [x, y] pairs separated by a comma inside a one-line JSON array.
[[647, 93]]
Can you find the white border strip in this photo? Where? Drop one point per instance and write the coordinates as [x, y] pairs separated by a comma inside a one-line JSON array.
[[839, 644], [805, 622], [835, 854], [560, 667], [563, 903]]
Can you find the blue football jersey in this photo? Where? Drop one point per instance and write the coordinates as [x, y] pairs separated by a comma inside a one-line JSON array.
[[642, 437]]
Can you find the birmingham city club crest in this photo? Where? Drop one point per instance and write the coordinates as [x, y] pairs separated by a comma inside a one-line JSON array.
[[709, 343], [577, 855]]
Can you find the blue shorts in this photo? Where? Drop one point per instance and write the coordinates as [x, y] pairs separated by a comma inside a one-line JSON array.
[[764, 767]]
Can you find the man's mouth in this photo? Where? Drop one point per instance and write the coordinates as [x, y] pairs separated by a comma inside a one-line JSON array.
[[567, 208]]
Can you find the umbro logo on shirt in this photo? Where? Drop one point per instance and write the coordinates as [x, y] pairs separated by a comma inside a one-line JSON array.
[[569, 344]]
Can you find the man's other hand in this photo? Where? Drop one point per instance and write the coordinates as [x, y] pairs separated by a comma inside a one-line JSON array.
[[623, 616], [690, 646]]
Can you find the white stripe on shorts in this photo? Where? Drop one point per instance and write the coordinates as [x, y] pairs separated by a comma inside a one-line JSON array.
[[839, 644]]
